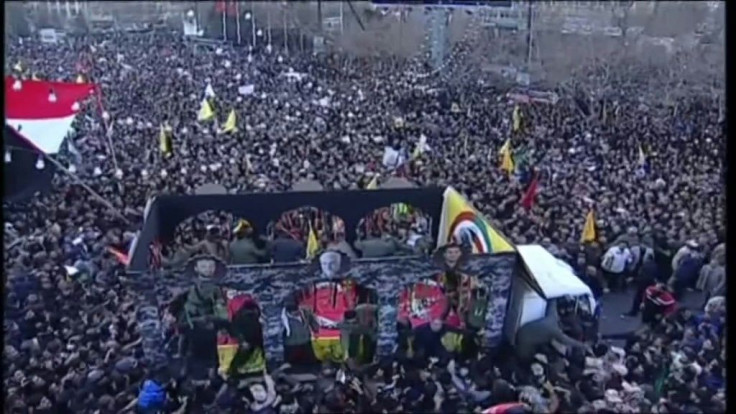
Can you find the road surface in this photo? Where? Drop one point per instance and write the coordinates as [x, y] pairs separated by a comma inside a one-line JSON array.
[[614, 304]]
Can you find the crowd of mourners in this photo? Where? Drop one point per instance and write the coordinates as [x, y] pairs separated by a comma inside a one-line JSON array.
[[72, 343]]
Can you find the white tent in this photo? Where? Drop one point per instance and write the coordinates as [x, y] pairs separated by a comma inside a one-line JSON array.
[[555, 278]]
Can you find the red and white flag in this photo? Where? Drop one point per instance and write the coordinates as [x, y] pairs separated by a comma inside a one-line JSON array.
[[43, 111]]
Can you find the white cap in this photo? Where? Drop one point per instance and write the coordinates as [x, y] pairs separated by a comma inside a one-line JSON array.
[[612, 396]]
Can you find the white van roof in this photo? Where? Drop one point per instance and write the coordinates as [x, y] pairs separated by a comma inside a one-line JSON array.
[[553, 276]]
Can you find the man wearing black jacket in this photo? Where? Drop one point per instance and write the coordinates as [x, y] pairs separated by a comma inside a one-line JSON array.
[[645, 277], [286, 249], [428, 340]]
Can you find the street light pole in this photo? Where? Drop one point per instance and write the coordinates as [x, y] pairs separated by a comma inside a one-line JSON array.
[[319, 15], [529, 36]]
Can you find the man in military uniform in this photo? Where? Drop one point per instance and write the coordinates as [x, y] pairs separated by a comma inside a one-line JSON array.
[[457, 285], [203, 312]]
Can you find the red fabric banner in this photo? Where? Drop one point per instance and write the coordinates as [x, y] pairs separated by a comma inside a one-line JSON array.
[[531, 193]]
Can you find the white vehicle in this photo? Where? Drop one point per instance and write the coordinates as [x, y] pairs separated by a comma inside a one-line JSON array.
[[554, 278]]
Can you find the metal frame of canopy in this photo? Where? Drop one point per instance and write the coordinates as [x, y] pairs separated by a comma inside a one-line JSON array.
[[165, 212]]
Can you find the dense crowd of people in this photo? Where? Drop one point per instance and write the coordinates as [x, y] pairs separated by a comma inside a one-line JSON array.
[[71, 339]]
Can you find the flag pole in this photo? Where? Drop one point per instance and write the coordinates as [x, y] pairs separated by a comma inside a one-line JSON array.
[[286, 33], [237, 21], [268, 24], [224, 21], [253, 22], [106, 123], [196, 18], [94, 194]]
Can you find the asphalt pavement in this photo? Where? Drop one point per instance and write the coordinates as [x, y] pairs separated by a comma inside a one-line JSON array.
[[614, 304]]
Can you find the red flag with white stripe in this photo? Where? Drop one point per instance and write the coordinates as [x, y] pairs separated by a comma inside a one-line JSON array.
[[43, 111]]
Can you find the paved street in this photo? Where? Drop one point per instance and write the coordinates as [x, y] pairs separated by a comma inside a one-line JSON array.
[[614, 304]]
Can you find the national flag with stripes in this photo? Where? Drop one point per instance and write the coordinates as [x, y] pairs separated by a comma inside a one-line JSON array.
[[42, 111]]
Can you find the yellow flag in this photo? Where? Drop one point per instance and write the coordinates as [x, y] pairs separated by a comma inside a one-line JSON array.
[[328, 348], [230, 123], [589, 228], [312, 243], [80, 79], [164, 141], [205, 111], [225, 355], [461, 223], [505, 147], [373, 184], [507, 162], [516, 117]]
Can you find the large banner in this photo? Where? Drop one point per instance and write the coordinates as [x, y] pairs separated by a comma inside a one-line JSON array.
[[270, 285], [462, 224]]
